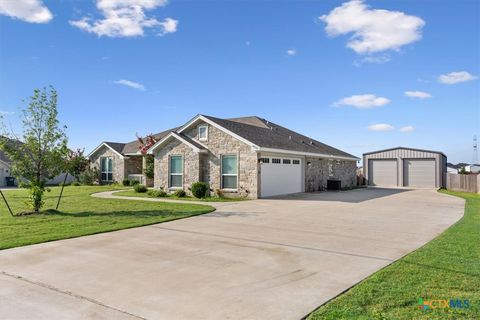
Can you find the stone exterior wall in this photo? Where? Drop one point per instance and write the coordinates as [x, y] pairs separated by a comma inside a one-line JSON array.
[[133, 165], [117, 162], [206, 166], [191, 165], [317, 173], [220, 143]]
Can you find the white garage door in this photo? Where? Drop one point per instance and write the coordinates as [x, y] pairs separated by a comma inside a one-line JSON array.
[[419, 173], [382, 173], [280, 176]]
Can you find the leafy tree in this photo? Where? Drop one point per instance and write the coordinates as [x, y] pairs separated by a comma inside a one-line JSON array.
[[77, 163], [43, 151], [145, 144], [150, 166]]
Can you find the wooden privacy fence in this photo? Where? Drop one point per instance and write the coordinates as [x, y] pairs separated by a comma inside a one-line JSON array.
[[463, 182]]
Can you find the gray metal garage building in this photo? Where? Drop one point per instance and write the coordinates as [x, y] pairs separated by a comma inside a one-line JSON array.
[[405, 167]]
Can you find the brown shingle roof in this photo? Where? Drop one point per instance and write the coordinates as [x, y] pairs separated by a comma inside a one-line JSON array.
[[117, 146], [259, 131], [267, 134], [133, 146]]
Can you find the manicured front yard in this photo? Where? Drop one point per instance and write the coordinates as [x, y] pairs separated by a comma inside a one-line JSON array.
[[131, 193], [446, 268], [80, 214]]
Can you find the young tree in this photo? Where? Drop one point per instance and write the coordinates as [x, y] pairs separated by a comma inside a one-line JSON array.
[[43, 151]]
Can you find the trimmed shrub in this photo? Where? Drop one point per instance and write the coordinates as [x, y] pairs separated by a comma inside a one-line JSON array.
[[180, 193], [200, 189], [76, 183], [140, 188], [219, 193], [157, 193], [134, 182], [89, 177], [126, 182]]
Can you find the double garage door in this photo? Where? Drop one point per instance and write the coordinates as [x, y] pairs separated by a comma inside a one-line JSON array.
[[280, 175], [416, 172]]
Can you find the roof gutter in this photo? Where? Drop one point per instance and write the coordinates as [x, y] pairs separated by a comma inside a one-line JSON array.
[[321, 155]]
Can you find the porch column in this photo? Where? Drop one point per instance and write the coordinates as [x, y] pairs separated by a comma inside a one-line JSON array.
[[147, 181]]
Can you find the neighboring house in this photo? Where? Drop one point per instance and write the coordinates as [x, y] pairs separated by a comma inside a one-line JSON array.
[[451, 169], [472, 168], [247, 156], [5, 171]]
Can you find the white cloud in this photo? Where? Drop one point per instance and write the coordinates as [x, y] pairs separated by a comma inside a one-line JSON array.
[[126, 18], [33, 11], [362, 101], [456, 77], [407, 129], [169, 25], [380, 127], [131, 84], [374, 30], [418, 94], [292, 52]]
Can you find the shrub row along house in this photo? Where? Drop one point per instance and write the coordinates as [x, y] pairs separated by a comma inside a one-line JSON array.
[[247, 156]]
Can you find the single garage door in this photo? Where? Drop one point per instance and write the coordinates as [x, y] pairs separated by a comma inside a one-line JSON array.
[[382, 173], [419, 173], [280, 176]]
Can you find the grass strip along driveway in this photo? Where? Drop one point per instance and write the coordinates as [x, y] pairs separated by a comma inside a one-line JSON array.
[[80, 214], [447, 268]]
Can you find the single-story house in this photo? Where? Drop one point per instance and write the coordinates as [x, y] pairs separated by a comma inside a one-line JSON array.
[[5, 172], [451, 169], [405, 167], [472, 168], [247, 156]]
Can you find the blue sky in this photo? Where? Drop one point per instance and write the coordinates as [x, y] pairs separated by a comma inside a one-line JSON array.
[[275, 59]]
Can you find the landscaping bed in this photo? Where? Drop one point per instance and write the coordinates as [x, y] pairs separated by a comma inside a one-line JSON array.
[[132, 193], [80, 214]]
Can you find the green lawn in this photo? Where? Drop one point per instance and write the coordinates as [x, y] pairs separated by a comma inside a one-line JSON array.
[[79, 214], [446, 268], [131, 193]]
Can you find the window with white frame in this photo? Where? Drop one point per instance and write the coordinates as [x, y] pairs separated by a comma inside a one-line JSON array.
[[229, 171], [175, 174], [203, 133], [106, 169]]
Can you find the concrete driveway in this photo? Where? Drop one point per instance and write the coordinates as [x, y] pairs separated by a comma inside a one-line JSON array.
[[262, 259]]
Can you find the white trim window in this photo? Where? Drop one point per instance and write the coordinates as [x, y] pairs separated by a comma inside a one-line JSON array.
[[229, 170], [175, 172], [203, 133], [106, 169]]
